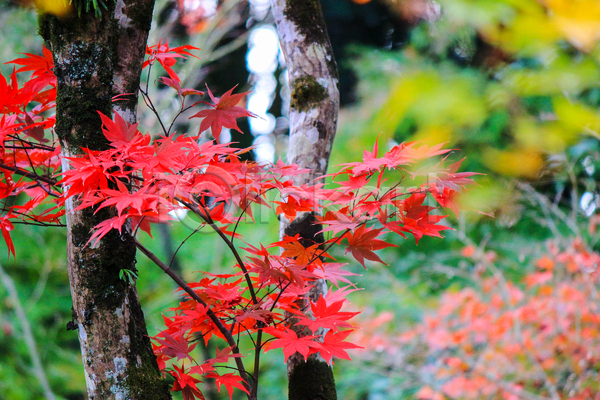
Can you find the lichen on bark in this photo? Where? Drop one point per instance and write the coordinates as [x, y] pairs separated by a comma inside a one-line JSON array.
[[307, 93]]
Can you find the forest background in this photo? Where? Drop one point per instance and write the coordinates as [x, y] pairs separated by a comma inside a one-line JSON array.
[[506, 306]]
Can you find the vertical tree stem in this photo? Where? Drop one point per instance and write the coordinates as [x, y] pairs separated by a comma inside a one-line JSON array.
[[313, 117], [96, 58]]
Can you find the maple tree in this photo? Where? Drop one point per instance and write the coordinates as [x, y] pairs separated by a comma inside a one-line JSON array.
[[144, 179]]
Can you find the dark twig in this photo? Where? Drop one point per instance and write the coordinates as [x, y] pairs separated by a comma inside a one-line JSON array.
[[29, 175], [206, 217], [213, 317]]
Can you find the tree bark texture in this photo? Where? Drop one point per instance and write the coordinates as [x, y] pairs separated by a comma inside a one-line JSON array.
[[95, 59], [314, 105]]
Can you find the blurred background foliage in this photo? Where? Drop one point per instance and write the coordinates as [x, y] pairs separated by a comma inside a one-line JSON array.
[[513, 84]]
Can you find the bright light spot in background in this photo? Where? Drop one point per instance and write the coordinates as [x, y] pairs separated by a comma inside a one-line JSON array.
[[264, 46], [263, 126], [264, 149], [259, 102], [588, 203], [208, 6], [284, 93], [267, 83], [259, 8], [588, 165], [225, 135], [262, 62], [178, 214]]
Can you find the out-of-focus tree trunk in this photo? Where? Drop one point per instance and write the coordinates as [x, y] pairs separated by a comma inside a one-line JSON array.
[[95, 59], [313, 116]]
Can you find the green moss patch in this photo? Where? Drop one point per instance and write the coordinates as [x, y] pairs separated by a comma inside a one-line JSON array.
[[307, 93]]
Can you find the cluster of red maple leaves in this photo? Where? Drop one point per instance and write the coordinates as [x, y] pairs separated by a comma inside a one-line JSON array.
[[144, 178]]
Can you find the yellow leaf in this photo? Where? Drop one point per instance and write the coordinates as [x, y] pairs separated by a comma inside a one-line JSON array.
[[518, 162], [550, 137], [56, 7], [576, 116], [577, 20]]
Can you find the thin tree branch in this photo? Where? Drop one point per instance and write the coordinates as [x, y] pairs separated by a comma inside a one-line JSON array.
[[206, 217], [29, 175], [213, 317]]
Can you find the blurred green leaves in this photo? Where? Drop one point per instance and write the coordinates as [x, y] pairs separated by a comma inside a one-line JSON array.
[[513, 84]]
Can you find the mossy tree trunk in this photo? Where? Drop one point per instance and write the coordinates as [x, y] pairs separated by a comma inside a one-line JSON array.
[[313, 116], [95, 59]]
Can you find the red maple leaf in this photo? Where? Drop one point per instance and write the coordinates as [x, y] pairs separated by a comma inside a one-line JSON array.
[[186, 384], [417, 219], [450, 178], [41, 77], [257, 314], [223, 113], [6, 226], [338, 221], [423, 226], [293, 248], [447, 199], [362, 243], [327, 317], [119, 132], [266, 270], [340, 294], [176, 84], [11, 98], [37, 64], [167, 56], [369, 164], [230, 381], [333, 272], [291, 343], [292, 206], [222, 356], [175, 346], [334, 346], [138, 202]]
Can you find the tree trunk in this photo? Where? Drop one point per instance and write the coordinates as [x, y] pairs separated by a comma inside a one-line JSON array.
[[95, 59], [313, 120]]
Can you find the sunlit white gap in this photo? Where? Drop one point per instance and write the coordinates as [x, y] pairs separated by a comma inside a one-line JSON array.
[[259, 102], [588, 203], [178, 214], [263, 126], [264, 44], [264, 149], [262, 62], [225, 136], [259, 8], [208, 6], [588, 165]]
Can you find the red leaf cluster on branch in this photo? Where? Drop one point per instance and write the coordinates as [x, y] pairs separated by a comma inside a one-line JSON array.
[[145, 179]]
